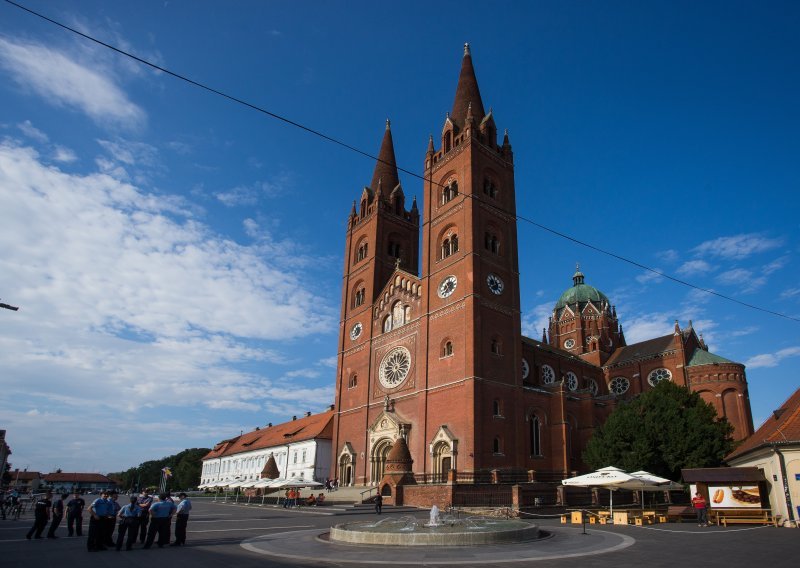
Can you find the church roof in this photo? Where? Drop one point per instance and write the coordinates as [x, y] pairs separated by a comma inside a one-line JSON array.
[[783, 427], [641, 350], [316, 426], [703, 357], [386, 166], [555, 351], [467, 92]]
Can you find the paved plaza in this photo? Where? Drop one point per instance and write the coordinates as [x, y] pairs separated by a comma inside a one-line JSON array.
[[223, 535]]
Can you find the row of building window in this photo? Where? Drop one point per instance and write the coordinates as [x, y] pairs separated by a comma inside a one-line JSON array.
[[534, 438], [450, 190], [617, 385]]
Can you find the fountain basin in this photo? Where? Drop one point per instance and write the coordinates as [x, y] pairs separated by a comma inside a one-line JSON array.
[[407, 531]]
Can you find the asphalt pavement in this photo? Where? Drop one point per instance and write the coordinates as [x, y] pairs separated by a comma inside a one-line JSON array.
[[241, 536]]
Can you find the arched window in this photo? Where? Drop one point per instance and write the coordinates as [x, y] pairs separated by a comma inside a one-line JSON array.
[[449, 245], [353, 382], [362, 252], [496, 408], [387, 323], [359, 297], [489, 188], [363, 207], [447, 349], [496, 446], [398, 315], [449, 192], [394, 249], [491, 242], [536, 436], [497, 346], [448, 141]]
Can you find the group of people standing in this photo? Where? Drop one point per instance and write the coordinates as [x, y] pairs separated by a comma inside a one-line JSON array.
[[144, 517]]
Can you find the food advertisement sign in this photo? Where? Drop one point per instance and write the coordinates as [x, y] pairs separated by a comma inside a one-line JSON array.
[[734, 496]]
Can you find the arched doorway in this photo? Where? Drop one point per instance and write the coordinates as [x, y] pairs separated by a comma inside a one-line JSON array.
[[380, 451], [442, 461], [345, 471]]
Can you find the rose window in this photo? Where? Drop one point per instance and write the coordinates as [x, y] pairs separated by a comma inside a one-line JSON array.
[[593, 388], [548, 375], [619, 385], [572, 381], [658, 375], [395, 367]]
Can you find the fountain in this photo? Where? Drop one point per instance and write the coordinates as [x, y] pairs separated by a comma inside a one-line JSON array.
[[441, 530]]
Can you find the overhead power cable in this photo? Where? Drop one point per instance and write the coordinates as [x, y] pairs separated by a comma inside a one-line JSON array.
[[377, 159]]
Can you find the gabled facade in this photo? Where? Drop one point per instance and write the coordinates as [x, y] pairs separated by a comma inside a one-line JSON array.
[[431, 350]]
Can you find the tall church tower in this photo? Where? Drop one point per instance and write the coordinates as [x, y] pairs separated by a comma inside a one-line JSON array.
[[471, 274]]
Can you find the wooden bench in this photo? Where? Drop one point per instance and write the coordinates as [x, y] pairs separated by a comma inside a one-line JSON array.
[[725, 517], [680, 512]]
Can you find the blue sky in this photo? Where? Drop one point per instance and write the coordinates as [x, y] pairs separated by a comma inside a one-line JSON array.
[[177, 257]]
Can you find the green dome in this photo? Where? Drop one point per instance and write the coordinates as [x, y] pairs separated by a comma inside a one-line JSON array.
[[580, 293]]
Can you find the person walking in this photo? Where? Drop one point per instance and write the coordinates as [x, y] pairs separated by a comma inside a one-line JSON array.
[[181, 519], [128, 523], [41, 514], [700, 505], [58, 514], [75, 515], [145, 501], [161, 512], [378, 503], [100, 510]]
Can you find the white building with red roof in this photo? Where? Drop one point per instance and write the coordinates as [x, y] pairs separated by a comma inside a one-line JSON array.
[[301, 448]]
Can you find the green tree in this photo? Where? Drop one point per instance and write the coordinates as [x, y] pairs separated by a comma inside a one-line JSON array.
[[185, 466], [662, 431]]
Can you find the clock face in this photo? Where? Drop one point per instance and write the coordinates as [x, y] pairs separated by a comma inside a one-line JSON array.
[[355, 332], [448, 286], [495, 284], [394, 367], [569, 343], [526, 369]]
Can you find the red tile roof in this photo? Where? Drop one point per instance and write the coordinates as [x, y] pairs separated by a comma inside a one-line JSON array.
[[316, 426], [783, 427], [24, 475], [76, 478]]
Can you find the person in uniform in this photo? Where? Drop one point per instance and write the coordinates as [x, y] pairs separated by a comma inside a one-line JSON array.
[[75, 515], [58, 514], [181, 519], [378, 503], [111, 521], [161, 513], [144, 502], [41, 514], [128, 523], [100, 510]]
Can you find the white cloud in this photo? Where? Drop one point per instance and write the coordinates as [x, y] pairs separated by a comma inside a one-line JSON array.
[[29, 130], [64, 155], [790, 293], [253, 193], [737, 247], [63, 81], [771, 359], [775, 265], [743, 278], [649, 276], [669, 256], [129, 305], [537, 319], [647, 326], [694, 267]]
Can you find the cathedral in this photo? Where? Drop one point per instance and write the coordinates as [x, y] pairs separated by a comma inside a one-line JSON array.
[[435, 381]]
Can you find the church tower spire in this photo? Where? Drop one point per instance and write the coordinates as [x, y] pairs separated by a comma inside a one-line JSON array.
[[385, 172], [467, 92]]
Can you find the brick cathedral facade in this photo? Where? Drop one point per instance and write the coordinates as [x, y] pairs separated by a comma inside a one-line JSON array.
[[431, 357]]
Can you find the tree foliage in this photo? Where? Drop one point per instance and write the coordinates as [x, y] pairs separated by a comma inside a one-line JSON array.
[[661, 431], [185, 467]]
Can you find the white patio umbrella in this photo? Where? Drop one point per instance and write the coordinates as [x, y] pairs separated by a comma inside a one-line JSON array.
[[609, 477], [646, 481], [296, 483]]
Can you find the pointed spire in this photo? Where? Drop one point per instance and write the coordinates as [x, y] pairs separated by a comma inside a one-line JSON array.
[[430, 144], [414, 205], [506, 143], [677, 328], [467, 92], [353, 210], [386, 166], [621, 337], [544, 335]]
